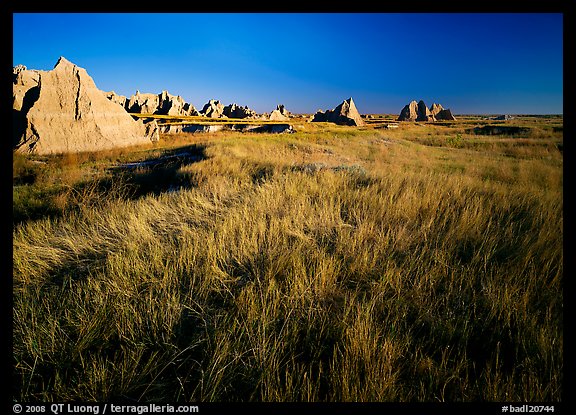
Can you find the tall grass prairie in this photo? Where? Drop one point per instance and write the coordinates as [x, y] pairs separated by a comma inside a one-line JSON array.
[[421, 264]]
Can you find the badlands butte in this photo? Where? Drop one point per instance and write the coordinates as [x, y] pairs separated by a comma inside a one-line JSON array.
[[63, 111]]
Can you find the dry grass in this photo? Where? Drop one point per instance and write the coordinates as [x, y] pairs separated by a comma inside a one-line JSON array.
[[334, 264]]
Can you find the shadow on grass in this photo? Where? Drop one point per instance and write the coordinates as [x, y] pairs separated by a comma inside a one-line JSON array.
[[158, 175], [127, 181]]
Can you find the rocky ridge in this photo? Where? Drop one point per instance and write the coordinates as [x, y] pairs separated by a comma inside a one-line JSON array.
[[344, 114], [62, 110], [418, 111]]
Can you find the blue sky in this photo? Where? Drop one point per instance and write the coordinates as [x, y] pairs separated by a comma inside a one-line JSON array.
[[472, 63]]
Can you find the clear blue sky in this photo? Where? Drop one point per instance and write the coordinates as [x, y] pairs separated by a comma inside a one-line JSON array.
[[471, 63]]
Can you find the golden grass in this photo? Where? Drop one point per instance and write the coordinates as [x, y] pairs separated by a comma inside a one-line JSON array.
[[334, 264]]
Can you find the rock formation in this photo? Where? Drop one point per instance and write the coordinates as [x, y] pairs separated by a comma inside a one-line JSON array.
[[504, 117], [17, 69], [424, 113], [244, 127], [435, 109], [189, 128], [118, 99], [409, 112], [236, 111], [174, 105], [418, 111], [279, 114], [344, 114], [445, 115], [25, 84], [65, 112], [189, 109], [161, 104], [213, 109], [23, 80], [143, 103]]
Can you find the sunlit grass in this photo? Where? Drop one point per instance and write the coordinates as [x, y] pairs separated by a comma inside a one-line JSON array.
[[332, 264]]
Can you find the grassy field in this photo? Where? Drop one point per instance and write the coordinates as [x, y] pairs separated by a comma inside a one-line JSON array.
[[333, 264]]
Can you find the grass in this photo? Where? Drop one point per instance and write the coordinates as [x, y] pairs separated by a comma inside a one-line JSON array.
[[333, 264]]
